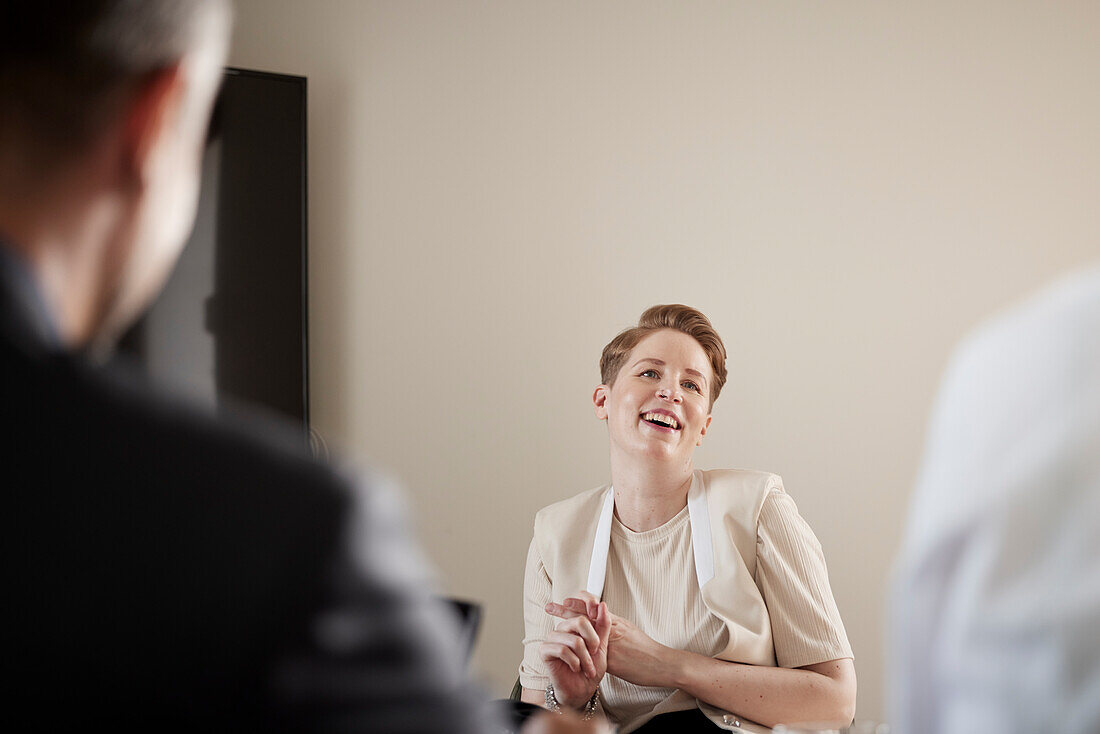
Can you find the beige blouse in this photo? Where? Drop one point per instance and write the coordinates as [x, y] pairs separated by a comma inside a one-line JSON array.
[[651, 580]]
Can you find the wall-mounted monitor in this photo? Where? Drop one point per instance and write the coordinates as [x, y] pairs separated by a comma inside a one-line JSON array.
[[231, 324]]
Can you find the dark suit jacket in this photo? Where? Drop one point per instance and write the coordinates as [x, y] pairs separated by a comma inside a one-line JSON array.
[[164, 568]]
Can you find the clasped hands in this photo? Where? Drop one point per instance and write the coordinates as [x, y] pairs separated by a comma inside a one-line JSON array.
[[590, 641]]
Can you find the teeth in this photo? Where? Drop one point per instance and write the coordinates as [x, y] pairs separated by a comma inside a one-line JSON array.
[[663, 419]]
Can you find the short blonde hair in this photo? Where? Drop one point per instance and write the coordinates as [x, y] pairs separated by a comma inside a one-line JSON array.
[[673, 316]]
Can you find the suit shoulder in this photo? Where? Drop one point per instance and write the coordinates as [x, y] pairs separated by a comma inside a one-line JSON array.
[[729, 479], [115, 422], [741, 492]]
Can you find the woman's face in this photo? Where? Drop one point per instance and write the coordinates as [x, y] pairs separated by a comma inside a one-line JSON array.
[[659, 405]]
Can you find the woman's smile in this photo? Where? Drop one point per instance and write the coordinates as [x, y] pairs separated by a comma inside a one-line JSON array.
[[661, 420]]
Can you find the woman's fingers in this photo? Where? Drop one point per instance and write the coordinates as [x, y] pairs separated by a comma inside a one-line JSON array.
[[550, 651], [582, 627], [602, 625], [579, 647], [559, 610], [572, 607], [583, 603], [577, 606]]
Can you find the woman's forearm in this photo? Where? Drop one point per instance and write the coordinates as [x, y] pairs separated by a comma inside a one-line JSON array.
[[823, 693]]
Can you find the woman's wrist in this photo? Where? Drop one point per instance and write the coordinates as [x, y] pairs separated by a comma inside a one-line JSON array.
[[565, 697], [680, 669], [588, 707]]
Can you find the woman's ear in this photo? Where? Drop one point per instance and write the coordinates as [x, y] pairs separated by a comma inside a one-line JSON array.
[[599, 400], [703, 432]]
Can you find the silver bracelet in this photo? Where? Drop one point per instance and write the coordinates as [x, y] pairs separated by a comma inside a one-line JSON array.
[[589, 710]]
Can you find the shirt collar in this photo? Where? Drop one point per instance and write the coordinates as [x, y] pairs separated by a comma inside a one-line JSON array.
[[25, 309]]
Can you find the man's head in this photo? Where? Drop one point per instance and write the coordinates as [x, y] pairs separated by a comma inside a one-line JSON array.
[[104, 106]]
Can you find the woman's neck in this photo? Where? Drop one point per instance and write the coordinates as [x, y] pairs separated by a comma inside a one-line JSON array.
[[645, 500]]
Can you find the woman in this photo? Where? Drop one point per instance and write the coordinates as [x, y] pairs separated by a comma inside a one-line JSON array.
[[676, 599]]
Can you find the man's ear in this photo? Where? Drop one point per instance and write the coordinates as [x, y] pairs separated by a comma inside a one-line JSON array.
[[703, 432], [153, 108], [599, 400]]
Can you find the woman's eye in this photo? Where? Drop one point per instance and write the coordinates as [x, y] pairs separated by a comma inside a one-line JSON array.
[[690, 386], [650, 373]]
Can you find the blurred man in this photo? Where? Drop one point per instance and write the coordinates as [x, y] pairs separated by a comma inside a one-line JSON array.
[[996, 602], [162, 569]]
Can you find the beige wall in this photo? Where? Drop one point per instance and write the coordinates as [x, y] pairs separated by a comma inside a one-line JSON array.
[[845, 188]]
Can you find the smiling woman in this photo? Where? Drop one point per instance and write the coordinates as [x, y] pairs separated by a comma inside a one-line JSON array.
[[675, 599]]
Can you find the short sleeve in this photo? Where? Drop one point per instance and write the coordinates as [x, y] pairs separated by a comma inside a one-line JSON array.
[[791, 574], [537, 624]]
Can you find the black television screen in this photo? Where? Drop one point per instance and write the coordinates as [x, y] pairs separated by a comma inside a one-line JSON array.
[[232, 321]]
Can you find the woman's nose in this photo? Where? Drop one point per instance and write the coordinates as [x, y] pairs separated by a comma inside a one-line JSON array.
[[666, 393]]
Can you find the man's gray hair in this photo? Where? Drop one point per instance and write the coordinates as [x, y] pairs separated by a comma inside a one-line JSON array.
[[63, 63]]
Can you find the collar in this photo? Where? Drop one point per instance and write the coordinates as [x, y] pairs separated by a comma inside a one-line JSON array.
[[701, 545], [24, 312]]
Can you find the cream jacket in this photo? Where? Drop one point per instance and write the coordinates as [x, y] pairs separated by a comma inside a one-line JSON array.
[[572, 538]]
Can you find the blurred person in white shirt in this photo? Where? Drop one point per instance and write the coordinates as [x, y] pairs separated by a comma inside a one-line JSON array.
[[995, 604]]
